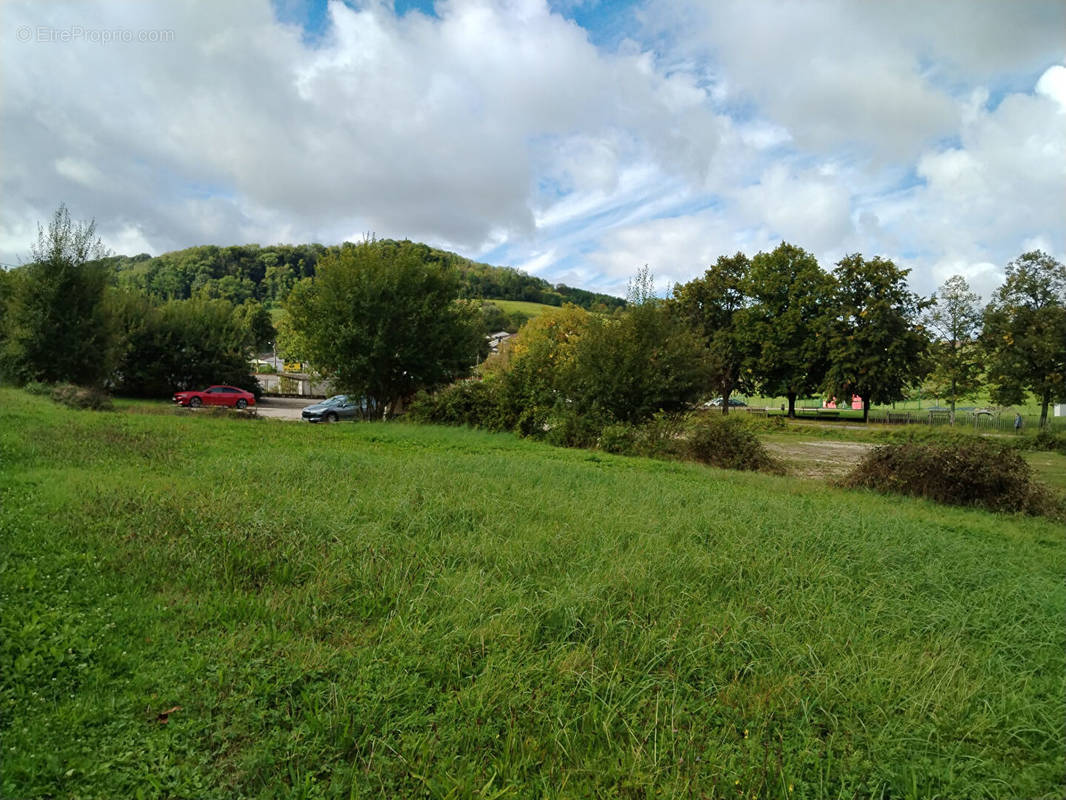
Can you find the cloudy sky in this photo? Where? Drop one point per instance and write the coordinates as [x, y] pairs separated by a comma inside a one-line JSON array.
[[574, 139]]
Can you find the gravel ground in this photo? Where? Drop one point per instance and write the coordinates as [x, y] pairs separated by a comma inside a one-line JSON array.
[[819, 459]]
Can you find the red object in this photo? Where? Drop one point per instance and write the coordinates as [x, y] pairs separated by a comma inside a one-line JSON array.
[[856, 402], [216, 396]]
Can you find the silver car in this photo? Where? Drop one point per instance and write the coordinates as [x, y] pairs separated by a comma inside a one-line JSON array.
[[336, 408]]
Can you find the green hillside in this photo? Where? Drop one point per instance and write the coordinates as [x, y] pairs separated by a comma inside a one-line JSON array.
[[210, 607], [529, 309], [250, 272]]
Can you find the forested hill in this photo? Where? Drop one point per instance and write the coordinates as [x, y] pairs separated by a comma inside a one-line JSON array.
[[250, 272]]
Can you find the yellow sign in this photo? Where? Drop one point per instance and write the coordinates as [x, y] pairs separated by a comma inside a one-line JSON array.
[[294, 366]]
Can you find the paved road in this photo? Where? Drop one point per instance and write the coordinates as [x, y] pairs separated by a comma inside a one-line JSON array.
[[283, 407]]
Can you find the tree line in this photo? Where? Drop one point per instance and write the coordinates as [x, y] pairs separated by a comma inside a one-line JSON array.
[[386, 319], [777, 324], [62, 319], [241, 273]]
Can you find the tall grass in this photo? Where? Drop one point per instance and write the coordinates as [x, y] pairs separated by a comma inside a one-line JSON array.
[[394, 611]]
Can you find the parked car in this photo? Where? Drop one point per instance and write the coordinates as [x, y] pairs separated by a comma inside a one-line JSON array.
[[733, 403], [216, 396], [336, 408]]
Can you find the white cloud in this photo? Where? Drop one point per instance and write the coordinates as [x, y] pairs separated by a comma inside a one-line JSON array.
[[1053, 84], [930, 133], [79, 171]]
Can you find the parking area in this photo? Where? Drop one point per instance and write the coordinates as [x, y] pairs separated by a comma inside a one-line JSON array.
[[283, 407]]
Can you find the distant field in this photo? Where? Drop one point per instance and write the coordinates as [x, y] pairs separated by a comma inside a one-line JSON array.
[[1030, 410], [529, 309], [194, 606]]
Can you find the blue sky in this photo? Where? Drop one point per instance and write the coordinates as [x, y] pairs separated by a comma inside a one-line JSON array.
[[575, 139]]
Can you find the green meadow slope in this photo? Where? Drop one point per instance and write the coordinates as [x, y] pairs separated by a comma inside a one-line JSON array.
[[203, 607]]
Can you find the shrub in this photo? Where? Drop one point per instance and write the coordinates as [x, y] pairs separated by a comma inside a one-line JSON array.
[[39, 388], [662, 436], [474, 403], [620, 439], [729, 443], [82, 397], [1048, 440], [565, 427], [973, 473]]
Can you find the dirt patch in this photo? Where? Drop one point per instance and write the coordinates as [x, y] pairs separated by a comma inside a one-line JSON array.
[[819, 460]]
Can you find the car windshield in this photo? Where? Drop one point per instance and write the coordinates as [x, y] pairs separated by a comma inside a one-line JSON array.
[[336, 400]]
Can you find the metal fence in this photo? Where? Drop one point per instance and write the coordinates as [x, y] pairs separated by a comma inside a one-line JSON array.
[[984, 420], [978, 420]]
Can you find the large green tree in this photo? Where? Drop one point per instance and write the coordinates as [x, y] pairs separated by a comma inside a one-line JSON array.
[[711, 305], [382, 322], [954, 321], [876, 342], [638, 361], [56, 326], [784, 325], [181, 344], [1024, 333]]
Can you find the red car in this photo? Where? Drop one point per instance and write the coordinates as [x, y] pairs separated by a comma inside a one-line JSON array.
[[216, 396]]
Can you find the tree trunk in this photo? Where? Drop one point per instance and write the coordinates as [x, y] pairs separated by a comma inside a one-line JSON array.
[[1043, 409], [728, 390], [865, 408], [792, 405], [952, 401]]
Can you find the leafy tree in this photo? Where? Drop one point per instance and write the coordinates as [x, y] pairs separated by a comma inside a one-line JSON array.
[[182, 344], [1025, 332], [876, 344], [257, 324], [954, 321], [530, 371], [783, 328], [636, 362], [571, 364], [711, 305], [56, 328], [382, 322]]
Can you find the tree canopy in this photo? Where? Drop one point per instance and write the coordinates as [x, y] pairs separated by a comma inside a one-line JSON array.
[[783, 327], [954, 322], [1025, 332], [711, 305], [267, 274], [876, 343], [55, 325], [382, 323]]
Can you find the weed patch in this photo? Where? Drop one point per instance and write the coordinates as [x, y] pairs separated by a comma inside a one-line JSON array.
[[82, 397]]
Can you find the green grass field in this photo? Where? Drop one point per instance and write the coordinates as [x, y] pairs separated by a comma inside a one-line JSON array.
[[202, 607], [529, 309]]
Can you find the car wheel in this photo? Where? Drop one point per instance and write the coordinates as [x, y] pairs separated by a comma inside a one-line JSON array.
[[242, 404], [196, 402], [331, 417]]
